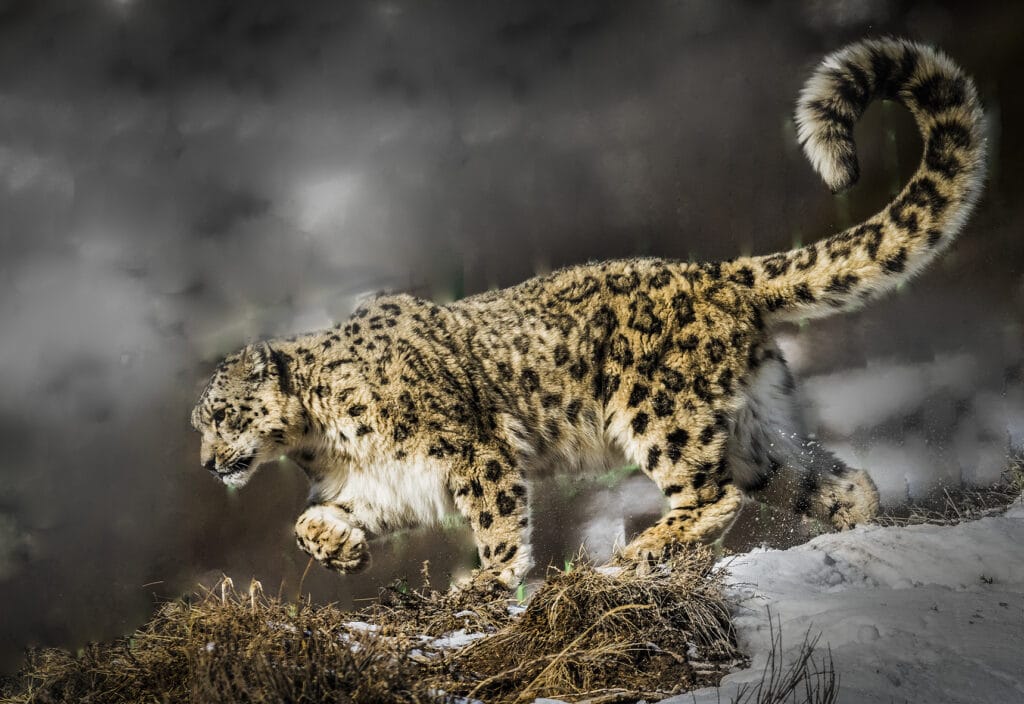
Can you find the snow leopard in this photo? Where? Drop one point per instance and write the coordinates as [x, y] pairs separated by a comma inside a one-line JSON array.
[[410, 409]]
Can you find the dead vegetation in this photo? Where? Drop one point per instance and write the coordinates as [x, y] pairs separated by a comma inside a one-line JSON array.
[[623, 636], [585, 635], [808, 679], [949, 506]]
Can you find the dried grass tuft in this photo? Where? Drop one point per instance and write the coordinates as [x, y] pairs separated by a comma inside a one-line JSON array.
[[806, 680], [585, 635], [228, 646], [622, 634], [950, 506]]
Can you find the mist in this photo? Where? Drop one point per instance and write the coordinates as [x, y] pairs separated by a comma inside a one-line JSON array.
[[179, 178]]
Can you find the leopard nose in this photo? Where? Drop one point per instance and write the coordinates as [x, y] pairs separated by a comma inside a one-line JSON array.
[[210, 465]]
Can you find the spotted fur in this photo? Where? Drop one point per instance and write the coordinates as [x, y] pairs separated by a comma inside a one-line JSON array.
[[848, 269], [409, 409]]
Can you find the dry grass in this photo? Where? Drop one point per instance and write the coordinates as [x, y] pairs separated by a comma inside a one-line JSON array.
[[621, 636], [949, 506], [807, 679], [230, 647], [584, 635]]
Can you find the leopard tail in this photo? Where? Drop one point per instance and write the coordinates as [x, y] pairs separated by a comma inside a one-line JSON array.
[[848, 269]]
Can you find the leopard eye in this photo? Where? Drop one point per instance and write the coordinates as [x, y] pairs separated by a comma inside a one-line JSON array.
[[219, 415]]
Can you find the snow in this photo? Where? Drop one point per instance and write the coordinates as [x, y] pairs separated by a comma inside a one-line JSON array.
[[361, 626], [456, 639], [915, 614]]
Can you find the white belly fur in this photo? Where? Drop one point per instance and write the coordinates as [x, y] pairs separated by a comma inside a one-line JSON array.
[[390, 495]]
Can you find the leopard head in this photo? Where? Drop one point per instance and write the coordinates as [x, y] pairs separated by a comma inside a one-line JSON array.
[[247, 413]]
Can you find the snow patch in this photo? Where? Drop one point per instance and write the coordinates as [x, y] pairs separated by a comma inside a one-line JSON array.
[[921, 613], [455, 639], [361, 626]]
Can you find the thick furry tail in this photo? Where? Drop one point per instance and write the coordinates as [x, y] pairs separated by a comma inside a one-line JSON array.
[[847, 269]]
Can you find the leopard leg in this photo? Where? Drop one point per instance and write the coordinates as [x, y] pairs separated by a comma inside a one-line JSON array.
[[692, 471], [827, 489], [774, 461], [491, 493], [330, 535]]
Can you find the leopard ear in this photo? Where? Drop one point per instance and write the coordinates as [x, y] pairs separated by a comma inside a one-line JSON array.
[[256, 361], [261, 361]]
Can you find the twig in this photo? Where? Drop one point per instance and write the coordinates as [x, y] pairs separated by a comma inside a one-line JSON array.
[[302, 580], [610, 696]]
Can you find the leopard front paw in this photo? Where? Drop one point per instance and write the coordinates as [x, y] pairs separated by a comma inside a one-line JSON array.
[[324, 533], [653, 546]]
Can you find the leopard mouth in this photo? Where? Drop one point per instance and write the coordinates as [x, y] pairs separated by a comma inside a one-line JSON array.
[[236, 468]]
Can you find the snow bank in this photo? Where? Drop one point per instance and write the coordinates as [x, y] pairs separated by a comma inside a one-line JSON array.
[[916, 614]]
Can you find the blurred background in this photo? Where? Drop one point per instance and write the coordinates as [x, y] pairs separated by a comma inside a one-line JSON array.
[[180, 177]]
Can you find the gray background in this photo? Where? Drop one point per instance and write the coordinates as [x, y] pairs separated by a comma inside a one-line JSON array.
[[179, 177]]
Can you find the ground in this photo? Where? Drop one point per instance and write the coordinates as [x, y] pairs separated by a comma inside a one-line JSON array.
[[919, 613], [914, 614]]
